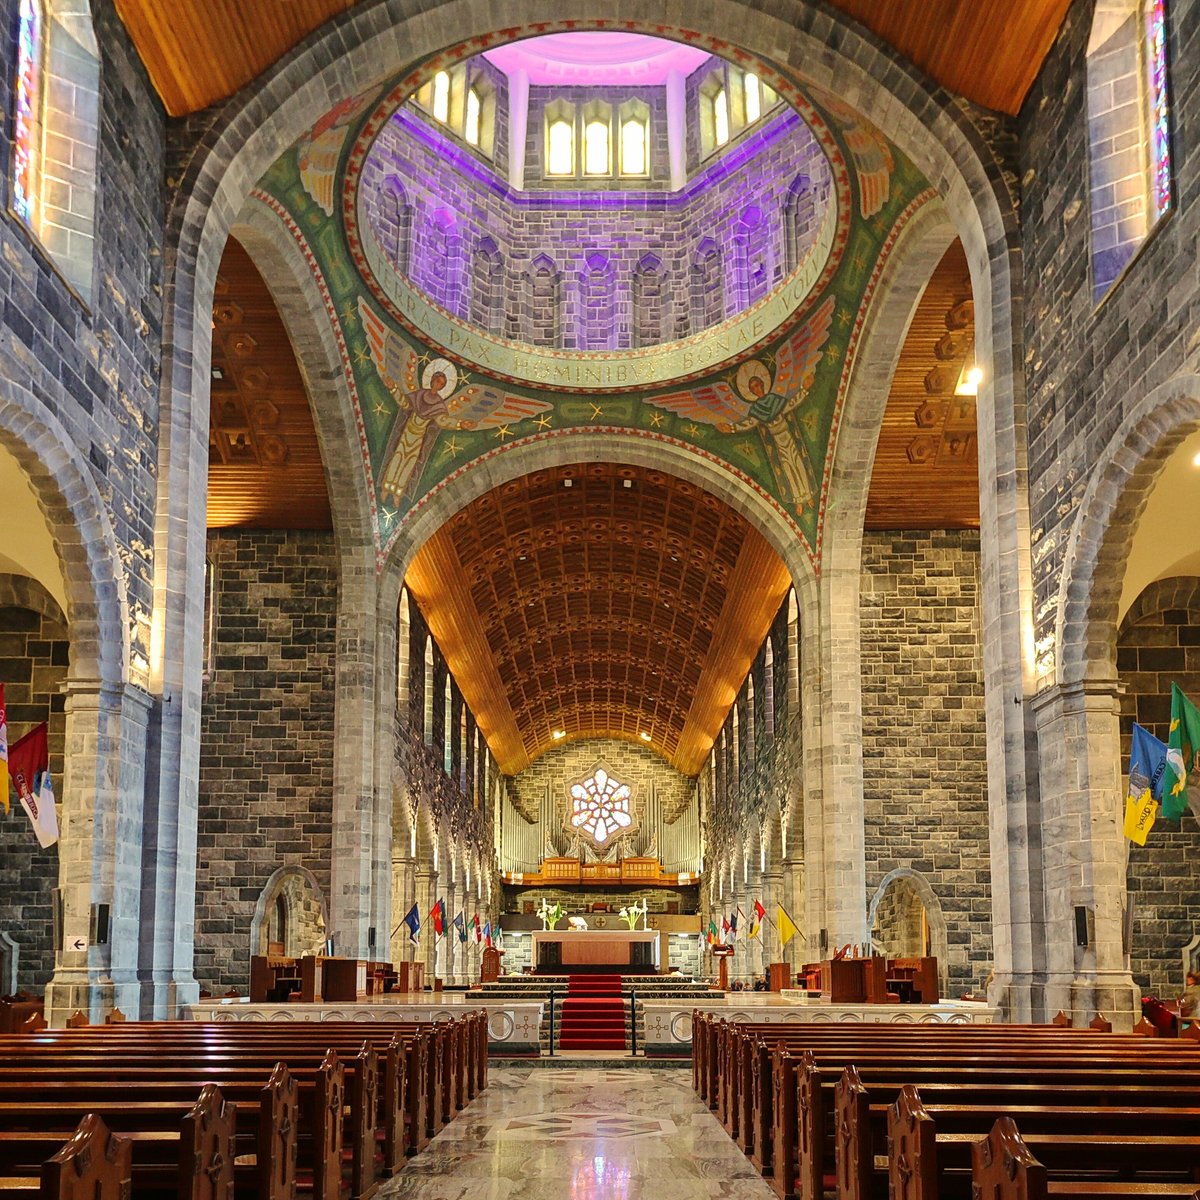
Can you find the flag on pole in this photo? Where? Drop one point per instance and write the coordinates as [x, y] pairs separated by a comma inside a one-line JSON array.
[[487, 934], [460, 924], [1147, 766], [478, 931], [786, 926], [3, 752], [1182, 743], [759, 911], [437, 917], [725, 927], [29, 771], [733, 924], [712, 931], [413, 921]]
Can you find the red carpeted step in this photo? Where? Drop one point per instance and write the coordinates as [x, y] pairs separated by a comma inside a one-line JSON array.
[[593, 1014]]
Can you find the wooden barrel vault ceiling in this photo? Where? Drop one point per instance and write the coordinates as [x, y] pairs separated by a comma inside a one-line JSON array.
[[200, 51], [598, 600]]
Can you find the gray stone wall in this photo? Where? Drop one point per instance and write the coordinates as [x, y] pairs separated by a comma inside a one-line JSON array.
[[94, 361], [34, 648], [1085, 366], [266, 766], [924, 735], [1158, 644]]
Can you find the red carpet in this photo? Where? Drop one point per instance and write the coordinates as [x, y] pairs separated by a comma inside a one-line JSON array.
[[593, 1014]]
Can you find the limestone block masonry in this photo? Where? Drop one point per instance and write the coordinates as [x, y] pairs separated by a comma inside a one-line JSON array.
[[266, 768]]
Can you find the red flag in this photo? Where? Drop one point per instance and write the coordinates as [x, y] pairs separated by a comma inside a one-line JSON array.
[[759, 911], [478, 930], [29, 770], [437, 914]]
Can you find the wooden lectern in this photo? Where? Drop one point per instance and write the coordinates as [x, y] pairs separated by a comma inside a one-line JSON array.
[[779, 976], [489, 971], [723, 954]]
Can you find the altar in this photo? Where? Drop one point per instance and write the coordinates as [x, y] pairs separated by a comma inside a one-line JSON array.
[[621, 949]]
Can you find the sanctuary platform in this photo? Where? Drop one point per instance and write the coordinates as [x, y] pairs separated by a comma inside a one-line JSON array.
[[514, 1026], [613, 949], [667, 1024]]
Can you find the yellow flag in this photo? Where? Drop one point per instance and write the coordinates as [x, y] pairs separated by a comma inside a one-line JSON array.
[[755, 930], [786, 926], [1140, 814]]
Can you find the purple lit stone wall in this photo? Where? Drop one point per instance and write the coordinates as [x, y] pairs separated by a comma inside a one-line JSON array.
[[595, 269]]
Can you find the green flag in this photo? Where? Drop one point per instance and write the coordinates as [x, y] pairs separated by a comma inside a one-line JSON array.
[[1182, 744]]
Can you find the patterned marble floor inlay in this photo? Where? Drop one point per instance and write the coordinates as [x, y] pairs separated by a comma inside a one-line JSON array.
[[581, 1135]]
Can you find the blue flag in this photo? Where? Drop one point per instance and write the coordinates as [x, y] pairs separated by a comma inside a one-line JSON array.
[[460, 923], [487, 934], [1147, 770], [413, 921]]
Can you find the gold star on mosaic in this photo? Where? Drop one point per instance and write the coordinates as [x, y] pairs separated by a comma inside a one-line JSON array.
[[451, 447], [656, 419], [860, 262], [597, 411], [349, 314], [845, 317], [692, 429], [503, 432], [380, 410], [362, 356], [543, 422]]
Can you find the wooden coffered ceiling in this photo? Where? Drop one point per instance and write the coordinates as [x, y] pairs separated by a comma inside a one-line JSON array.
[[926, 473], [264, 463], [598, 600], [200, 51]]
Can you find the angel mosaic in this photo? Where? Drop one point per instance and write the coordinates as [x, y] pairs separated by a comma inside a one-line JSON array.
[[431, 396], [871, 152], [317, 153], [762, 395]]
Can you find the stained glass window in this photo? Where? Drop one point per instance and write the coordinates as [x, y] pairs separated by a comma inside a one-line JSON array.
[[595, 148], [600, 806], [753, 98], [471, 132], [28, 103], [441, 96], [721, 117], [1158, 116], [560, 139], [633, 147]]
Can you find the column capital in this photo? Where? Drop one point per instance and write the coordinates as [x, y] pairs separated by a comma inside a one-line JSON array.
[[1078, 695]]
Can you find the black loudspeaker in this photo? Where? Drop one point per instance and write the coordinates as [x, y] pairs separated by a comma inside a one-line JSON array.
[[371, 939], [100, 920], [1082, 920], [824, 940]]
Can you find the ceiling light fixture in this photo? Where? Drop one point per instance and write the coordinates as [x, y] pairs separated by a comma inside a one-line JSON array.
[[558, 734], [644, 736]]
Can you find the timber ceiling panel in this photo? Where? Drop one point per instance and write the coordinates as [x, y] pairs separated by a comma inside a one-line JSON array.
[[264, 463], [926, 473], [598, 600], [201, 51]]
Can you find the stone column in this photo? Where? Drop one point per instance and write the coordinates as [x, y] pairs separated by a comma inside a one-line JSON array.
[[791, 891], [403, 893], [427, 881], [352, 879], [1085, 853], [450, 941], [100, 814]]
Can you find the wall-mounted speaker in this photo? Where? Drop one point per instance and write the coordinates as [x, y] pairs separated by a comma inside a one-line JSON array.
[[100, 923], [1083, 925]]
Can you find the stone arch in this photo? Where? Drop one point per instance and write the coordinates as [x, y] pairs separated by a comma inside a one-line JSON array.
[[380, 36], [1102, 533], [911, 885], [307, 910]]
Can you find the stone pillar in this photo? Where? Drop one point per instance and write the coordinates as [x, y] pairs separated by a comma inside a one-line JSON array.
[[100, 857], [791, 891], [450, 941], [1085, 853], [427, 882], [352, 876], [403, 892]]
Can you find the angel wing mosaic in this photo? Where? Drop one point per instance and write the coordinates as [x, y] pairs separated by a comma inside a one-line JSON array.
[[431, 395], [762, 396]]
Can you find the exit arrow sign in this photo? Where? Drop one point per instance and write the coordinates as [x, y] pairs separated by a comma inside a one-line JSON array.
[[75, 943]]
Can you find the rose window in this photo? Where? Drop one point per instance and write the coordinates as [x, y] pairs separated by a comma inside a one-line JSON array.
[[601, 806]]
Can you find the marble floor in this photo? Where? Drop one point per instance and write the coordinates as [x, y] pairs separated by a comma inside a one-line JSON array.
[[582, 1134]]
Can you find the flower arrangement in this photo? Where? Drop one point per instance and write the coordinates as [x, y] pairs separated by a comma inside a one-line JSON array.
[[551, 914], [633, 914]]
